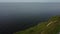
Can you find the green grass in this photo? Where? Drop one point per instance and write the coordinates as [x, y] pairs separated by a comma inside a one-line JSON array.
[[42, 28], [34, 30]]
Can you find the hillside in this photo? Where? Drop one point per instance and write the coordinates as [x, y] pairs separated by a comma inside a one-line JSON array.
[[52, 26]]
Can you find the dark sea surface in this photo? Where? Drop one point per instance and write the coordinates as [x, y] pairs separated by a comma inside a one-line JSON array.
[[19, 16]]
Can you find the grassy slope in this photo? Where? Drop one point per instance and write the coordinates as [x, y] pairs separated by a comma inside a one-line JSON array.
[[42, 28]]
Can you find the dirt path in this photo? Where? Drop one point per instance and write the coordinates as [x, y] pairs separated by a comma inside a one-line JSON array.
[[59, 33], [50, 23]]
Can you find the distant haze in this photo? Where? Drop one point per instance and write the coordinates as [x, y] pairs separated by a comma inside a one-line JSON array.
[[29, 0]]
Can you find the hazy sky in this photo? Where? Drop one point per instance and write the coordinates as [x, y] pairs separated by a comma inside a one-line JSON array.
[[29, 0]]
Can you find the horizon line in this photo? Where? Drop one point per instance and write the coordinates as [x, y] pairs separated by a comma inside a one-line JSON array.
[[30, 2]]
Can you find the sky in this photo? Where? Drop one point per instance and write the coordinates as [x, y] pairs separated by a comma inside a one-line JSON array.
[[29, 0]]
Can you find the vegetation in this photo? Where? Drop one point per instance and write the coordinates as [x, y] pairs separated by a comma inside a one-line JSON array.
[[52, 26]]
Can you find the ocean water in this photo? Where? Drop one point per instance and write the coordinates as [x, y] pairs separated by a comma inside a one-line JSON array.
[[19, 16]]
